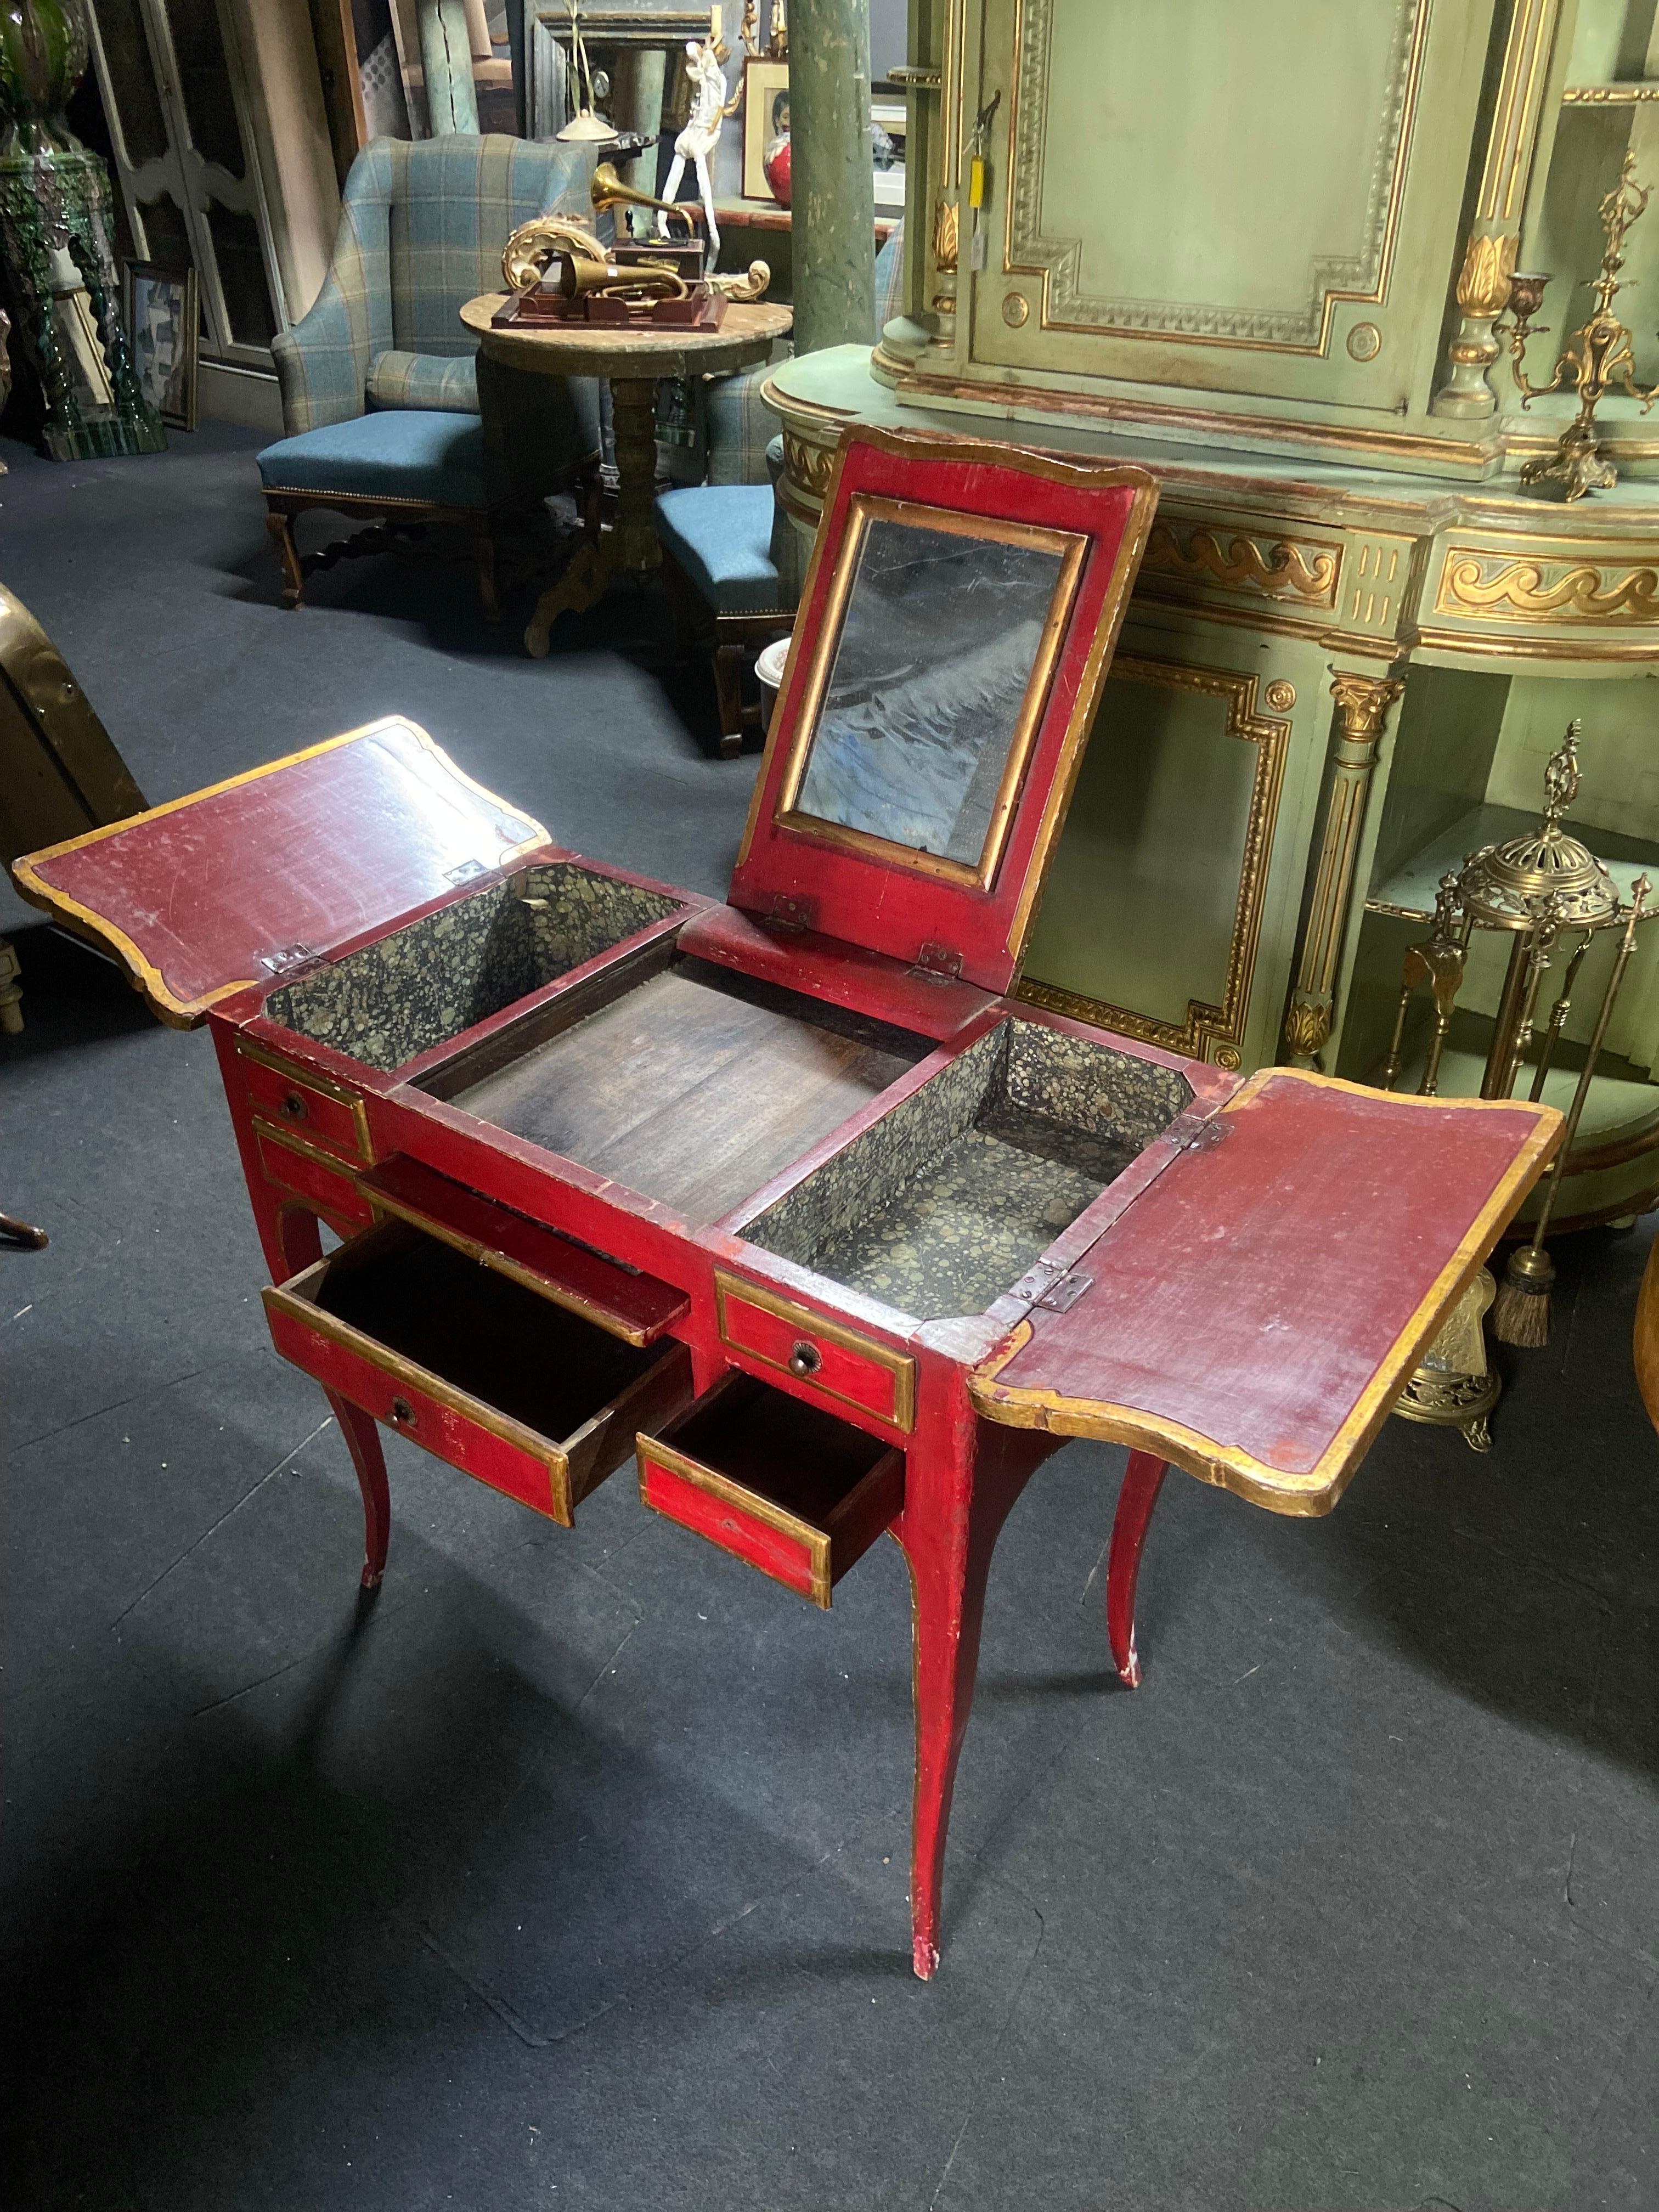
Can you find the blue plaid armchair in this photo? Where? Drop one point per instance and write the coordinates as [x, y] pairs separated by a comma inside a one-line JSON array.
[[387, 407]]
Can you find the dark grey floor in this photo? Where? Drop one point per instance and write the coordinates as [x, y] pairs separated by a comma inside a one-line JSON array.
[[575, 1873]]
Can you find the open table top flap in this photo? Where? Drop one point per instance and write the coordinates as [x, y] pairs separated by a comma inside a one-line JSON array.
[[955, 632], [230, 886], [1253, 1313]]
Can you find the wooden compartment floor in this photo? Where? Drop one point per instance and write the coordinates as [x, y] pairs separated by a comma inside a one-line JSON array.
[[697, 1086]]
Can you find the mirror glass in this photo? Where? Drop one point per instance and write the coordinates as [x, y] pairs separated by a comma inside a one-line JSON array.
[[925, 694]]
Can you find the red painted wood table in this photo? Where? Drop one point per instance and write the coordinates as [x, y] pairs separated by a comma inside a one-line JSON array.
[[784, 1196]]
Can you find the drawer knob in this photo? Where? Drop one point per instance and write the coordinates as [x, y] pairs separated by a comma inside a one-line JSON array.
[[804, 1358], [295, 1107], [402, 1413]]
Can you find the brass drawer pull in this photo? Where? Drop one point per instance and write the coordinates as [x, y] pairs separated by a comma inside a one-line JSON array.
[[294, 1107], [402, 1413], [804, 1358]]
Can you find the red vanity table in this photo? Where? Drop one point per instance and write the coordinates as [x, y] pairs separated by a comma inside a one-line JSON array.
[[786, 1189]]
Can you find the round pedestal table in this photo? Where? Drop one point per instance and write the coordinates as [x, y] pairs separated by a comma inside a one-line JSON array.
[[631, 360]]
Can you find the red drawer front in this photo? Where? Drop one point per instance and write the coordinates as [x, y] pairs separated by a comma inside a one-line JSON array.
[[292, 1165], [828, 1360], [800, 1560], [312, 1107], [402, 1405]]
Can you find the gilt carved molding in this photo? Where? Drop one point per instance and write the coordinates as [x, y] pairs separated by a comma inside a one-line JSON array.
[[1480, 585], [1233, 560]]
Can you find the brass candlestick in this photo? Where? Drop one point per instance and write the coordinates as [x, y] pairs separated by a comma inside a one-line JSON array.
[[1596, 358]]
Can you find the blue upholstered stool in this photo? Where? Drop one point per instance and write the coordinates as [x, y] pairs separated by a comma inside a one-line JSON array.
[[407, 465], [717, 539]]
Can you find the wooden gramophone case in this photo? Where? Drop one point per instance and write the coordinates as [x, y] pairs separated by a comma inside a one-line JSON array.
[[785, 1188]]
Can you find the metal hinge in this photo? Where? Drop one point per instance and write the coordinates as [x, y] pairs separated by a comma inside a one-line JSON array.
[[290, 960], [940, 962], [1057, 1290], [794, 912], [1208, 1134]]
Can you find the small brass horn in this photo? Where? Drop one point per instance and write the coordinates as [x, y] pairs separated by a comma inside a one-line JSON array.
[[609, 191]]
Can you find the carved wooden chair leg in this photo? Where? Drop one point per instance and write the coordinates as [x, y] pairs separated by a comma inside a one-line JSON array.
[[483, 552], [1142, 1481], [280, 527], [728, 690], [363, 1443], [11, 989], [679, 600]]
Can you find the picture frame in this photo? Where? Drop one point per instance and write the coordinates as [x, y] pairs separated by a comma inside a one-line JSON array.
[[765, 81], [163, 326]]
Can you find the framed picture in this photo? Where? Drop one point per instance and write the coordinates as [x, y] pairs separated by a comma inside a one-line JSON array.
[[162, 328], [765, 120]]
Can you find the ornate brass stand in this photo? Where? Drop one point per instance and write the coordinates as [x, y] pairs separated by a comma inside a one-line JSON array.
[[1596, 358], [1537, 887]]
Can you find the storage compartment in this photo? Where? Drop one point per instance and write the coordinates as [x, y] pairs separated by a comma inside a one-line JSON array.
[[688, 1083], [497, 1380], [945, 1202], [619, 1298], [424, 984], [785, 1486]]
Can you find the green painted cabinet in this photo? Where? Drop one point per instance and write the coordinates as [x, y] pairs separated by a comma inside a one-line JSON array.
[[1261, 247]]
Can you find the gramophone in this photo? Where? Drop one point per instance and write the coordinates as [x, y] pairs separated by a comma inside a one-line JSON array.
[[559, 270]]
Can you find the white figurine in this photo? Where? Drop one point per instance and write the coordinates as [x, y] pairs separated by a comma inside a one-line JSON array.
[[701, 135]]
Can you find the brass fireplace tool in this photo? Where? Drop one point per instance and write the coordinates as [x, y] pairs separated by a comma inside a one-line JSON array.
[[1540, 886], [1596, 358]]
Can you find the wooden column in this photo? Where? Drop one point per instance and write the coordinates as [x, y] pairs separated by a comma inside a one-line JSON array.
[[833, 207], [446, 64], [1362, 706]]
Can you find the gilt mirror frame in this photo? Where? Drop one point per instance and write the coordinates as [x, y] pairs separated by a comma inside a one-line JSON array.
[[1068, 548]]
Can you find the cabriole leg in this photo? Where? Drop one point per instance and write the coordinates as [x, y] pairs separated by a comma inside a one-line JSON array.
[[948, 1610], [1142, 1481], [363, 1443], [292, 1238], [950, 1555]]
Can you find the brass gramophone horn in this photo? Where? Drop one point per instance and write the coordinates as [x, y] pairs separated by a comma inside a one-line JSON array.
[[608, 191]]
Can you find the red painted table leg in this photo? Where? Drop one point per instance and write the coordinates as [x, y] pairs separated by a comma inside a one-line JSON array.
[[292, 1241], [363, 1443], [948, 1603], [948, 1548], [1142, 1481]]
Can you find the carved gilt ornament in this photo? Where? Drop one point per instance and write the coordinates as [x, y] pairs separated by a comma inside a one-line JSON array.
[[810, 466], [1497, 587], [1275, 567]]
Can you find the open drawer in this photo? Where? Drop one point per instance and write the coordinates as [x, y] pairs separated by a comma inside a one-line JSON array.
[[785, 1485], [500, 1382]]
